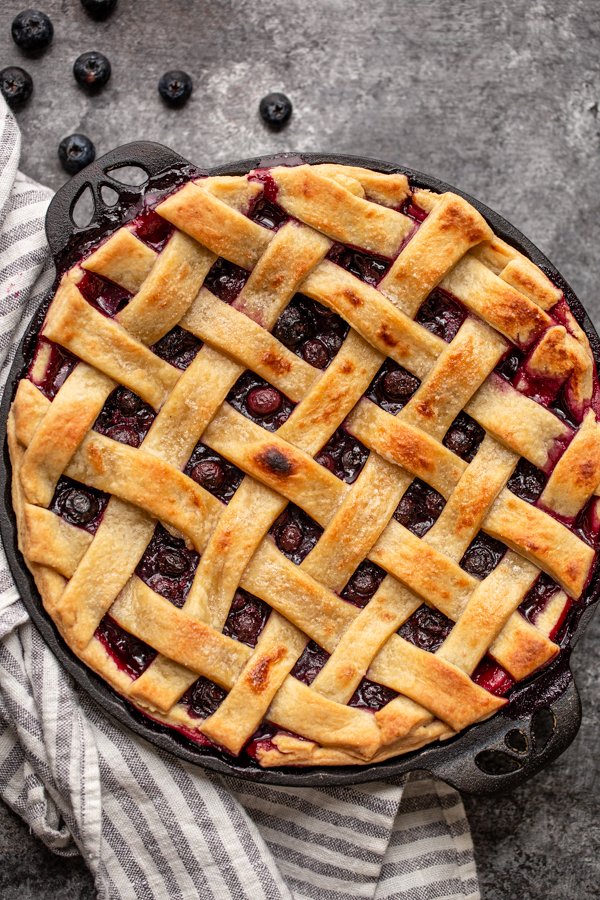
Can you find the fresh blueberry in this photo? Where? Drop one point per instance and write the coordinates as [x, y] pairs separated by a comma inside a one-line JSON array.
[[32, 30], [99, 9], [16, 86], [275, 109], [175, 87], [76, 152], [92, 70]]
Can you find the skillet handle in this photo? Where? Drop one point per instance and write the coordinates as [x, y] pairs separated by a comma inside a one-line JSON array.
[[151, 157]]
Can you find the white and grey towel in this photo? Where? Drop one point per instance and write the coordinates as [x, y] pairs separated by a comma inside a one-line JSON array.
[[147, 825]]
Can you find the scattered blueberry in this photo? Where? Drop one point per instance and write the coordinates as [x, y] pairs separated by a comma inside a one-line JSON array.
[[275, 109], [91, 70], [32, 30], [99, 9], [175, 87], [76, 152], [16, 86]]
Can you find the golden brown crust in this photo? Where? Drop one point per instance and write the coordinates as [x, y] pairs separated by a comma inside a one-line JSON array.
[[81, 577]]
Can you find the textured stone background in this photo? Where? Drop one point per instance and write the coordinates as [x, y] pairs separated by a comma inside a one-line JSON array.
[[500, 98]]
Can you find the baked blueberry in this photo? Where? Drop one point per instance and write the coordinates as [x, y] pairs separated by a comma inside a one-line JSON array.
[[275, 109], [175, 87], [32, 30], [76, 152], [99, 9], [92, 70], [16, 85], [262, 401]]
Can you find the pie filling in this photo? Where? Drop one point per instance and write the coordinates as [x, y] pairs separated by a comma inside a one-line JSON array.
[[527, 402]]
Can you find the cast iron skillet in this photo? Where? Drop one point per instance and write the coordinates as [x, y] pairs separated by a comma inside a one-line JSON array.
[[545, 713]]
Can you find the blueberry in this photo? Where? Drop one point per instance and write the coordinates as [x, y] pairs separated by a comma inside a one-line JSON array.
[[172, 563], [76, 152], [32, 30], [316, 353], [275, 109], [99, 9], [289, 538], [91, 70], [80, 508], [124, 434], [262, 401], [399, 384], [292, 328], [16, 86], [209, 473], [175, 87]]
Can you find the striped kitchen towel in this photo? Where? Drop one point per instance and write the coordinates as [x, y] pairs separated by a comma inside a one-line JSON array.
[[148, 825]]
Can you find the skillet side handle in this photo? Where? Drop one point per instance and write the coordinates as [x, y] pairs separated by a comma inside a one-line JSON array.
[[151, 157]]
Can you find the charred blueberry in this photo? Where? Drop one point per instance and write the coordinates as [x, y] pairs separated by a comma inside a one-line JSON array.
[[263, 401], [16, 86], [32, 30], [275, 110], [92, 70], [175, 87], [75, 152], [99, 9]]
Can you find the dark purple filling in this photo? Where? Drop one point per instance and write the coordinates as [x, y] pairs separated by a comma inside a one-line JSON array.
[[213, 472], [441, 315], [414, 212], [464, 437], [370, 695], [295, 533], [59, 367], [258, 400], [363, 583], [177, 347], [527, 481], [562, 409], [343, 455], [247, 618], [537, 597], [365, 266], [106, 297], [482, 555], [78, 504], [310, 663], [491, 676], [125, 418], [152, 229], [509, 364], [129, 653], [225, 280], [167, 566], [264, 177], [392, 387], [203, 698], [419, 508], [427, 628], [267, 213], [312, 331]]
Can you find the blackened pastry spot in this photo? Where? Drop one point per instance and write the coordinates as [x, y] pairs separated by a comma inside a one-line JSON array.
[[464, 437], [177, 347], [344, 455], [419, 507], [225, 280], [363, 583], [125, 418], [129, 653], [427, 628], [527, 481], [203, 698], [247, 618], [312, 331], [310, 663], [295, 533], [259, 401], [482, 555], [79, 504], [168, 566], [366, 266], [442, 315], [370, 695], [103, 295], [392, 387], [213, 472]]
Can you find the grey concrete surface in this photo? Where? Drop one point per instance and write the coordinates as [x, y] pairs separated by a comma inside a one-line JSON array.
[[500, 98]]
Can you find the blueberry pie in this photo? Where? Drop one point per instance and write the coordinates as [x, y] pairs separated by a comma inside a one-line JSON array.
[[306, 464]]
